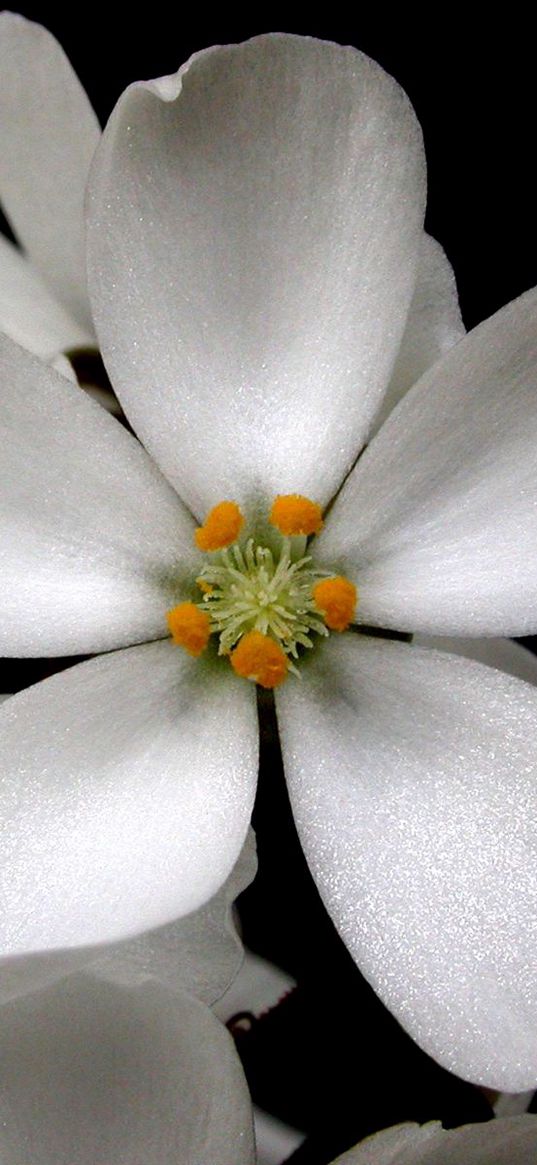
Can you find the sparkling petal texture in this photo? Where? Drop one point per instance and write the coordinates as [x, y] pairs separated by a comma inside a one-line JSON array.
[[200, 952], [127, 794], [412, 779], [29, 313], [93, 1073], [437, 525], [499, 653], [433, 326], [47, 138], [95, 544], [510, 1141], [254, 225]]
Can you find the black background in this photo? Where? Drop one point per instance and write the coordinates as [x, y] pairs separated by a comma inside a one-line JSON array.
[[330, 1058]]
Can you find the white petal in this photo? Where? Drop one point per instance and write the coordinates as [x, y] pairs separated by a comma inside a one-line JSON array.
[[93, 1074], [438, 522], [274, 1141], [258, 986], [48, 135], [201, 952], [512, 1103], [511, 1141], [413, 779], [433, 326], [63, 365], [29, 313], [127, 792], [500, 653], [254, 224], [95, 544]]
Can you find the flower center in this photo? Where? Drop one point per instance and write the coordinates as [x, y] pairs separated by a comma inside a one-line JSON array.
[[263, 605]]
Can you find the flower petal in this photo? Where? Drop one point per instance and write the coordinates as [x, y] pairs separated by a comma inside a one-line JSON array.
[[257, 988], [95, 1073], [433, 326], [201, 952], [254, 224], [510, 1141], [437, 525], [29, 313], [412, 777], [95, 544], [48, 136], [127, 792], [502, 654]]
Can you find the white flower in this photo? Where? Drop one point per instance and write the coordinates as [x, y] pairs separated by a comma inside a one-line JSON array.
[[96, 1072], [48, 134], [509, 1141], [125, 1061], [255, 226]]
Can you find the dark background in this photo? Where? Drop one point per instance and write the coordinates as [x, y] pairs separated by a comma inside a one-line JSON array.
[[330, 1059]]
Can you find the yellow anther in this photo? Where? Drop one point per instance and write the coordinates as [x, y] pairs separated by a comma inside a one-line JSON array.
[[293, 514], [259, 658], [205, 587], [189, 627], [336, 599], [221, 527]]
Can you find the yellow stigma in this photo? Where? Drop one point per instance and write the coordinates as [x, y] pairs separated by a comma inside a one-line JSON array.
[[293, 514], [259, 658], [336, 599], [221, 527], [190, 628]]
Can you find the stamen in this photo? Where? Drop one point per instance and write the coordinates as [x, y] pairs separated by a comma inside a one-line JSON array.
[[190, 628], [336, 599], [264, 604], [293, 514], [259, 658], [221, 527]]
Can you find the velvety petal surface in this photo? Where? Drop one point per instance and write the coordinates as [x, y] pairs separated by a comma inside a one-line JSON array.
[[412, 776], [510, 1141], [126, 797], [93, 1073], [47, 138], [437, 525], [433, 326], [254, 225], [95, 546], [499, 653], [201, 952], [29, 313]]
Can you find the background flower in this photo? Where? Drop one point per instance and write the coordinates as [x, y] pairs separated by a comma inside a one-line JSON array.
[[48, 134], [511, 1141], [94, 1072]]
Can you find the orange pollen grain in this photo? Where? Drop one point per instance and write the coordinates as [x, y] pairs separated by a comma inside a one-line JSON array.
[[221, 527], [259, 658], [294, 514], [189, 627], [336, 599], [205, 587]]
